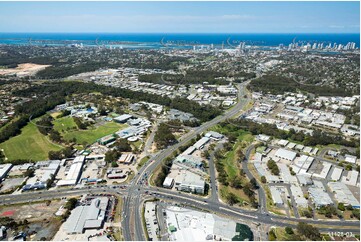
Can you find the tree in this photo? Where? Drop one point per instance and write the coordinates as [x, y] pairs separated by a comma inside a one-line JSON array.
[[271, 164], [112, 156], [341, 206], [248, 190], [164, 136], [263, 179], [289, 230], [71, 203], [272, 235], [308, 231], [241, 155], [236, 182], [122, 145], [114, 164], [356, 213], [231, 199], [348, 167], [254, 183]]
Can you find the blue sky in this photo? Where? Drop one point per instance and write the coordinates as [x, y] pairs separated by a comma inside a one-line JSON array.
[[181, 17]]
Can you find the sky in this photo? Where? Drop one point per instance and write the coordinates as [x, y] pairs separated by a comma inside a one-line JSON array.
[[181, 17]]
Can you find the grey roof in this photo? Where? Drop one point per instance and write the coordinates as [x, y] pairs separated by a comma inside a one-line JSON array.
[[83, 217], [319, 196], [201, 142]]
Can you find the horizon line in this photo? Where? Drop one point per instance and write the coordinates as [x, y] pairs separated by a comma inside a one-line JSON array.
[[176, 33]]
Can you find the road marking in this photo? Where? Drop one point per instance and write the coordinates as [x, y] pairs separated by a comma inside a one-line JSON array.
[[227, 209]]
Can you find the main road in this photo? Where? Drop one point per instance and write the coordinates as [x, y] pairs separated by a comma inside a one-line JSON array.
[[130, 208]]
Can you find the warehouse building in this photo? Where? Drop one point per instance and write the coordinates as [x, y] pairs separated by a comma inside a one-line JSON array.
[[74, 172], [285, 154], [201, 143], [87, 217], [319, 197], [189, 150], [343, 194]]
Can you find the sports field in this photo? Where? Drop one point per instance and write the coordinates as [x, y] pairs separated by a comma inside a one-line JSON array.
[[30, 144], [64, 124], [92, 134]]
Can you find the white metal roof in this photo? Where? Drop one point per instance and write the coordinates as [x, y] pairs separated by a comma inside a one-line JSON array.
[[285, 154]]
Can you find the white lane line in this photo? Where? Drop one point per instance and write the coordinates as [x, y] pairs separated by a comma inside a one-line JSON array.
[[250, 216]]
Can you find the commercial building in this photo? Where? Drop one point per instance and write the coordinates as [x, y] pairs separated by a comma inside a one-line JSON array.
[[285, 154], [343, 194], [87, 217], [276, 195], [74, 172], [4, 170], [190, 182]]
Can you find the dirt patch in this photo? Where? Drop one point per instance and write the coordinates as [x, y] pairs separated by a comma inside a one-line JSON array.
[[25, 69]]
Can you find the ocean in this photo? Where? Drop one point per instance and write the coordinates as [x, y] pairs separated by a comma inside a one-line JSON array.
[[158, 40]]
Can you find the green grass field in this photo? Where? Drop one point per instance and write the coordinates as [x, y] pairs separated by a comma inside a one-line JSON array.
[[30, 144], [64, 124], [92, 134]]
